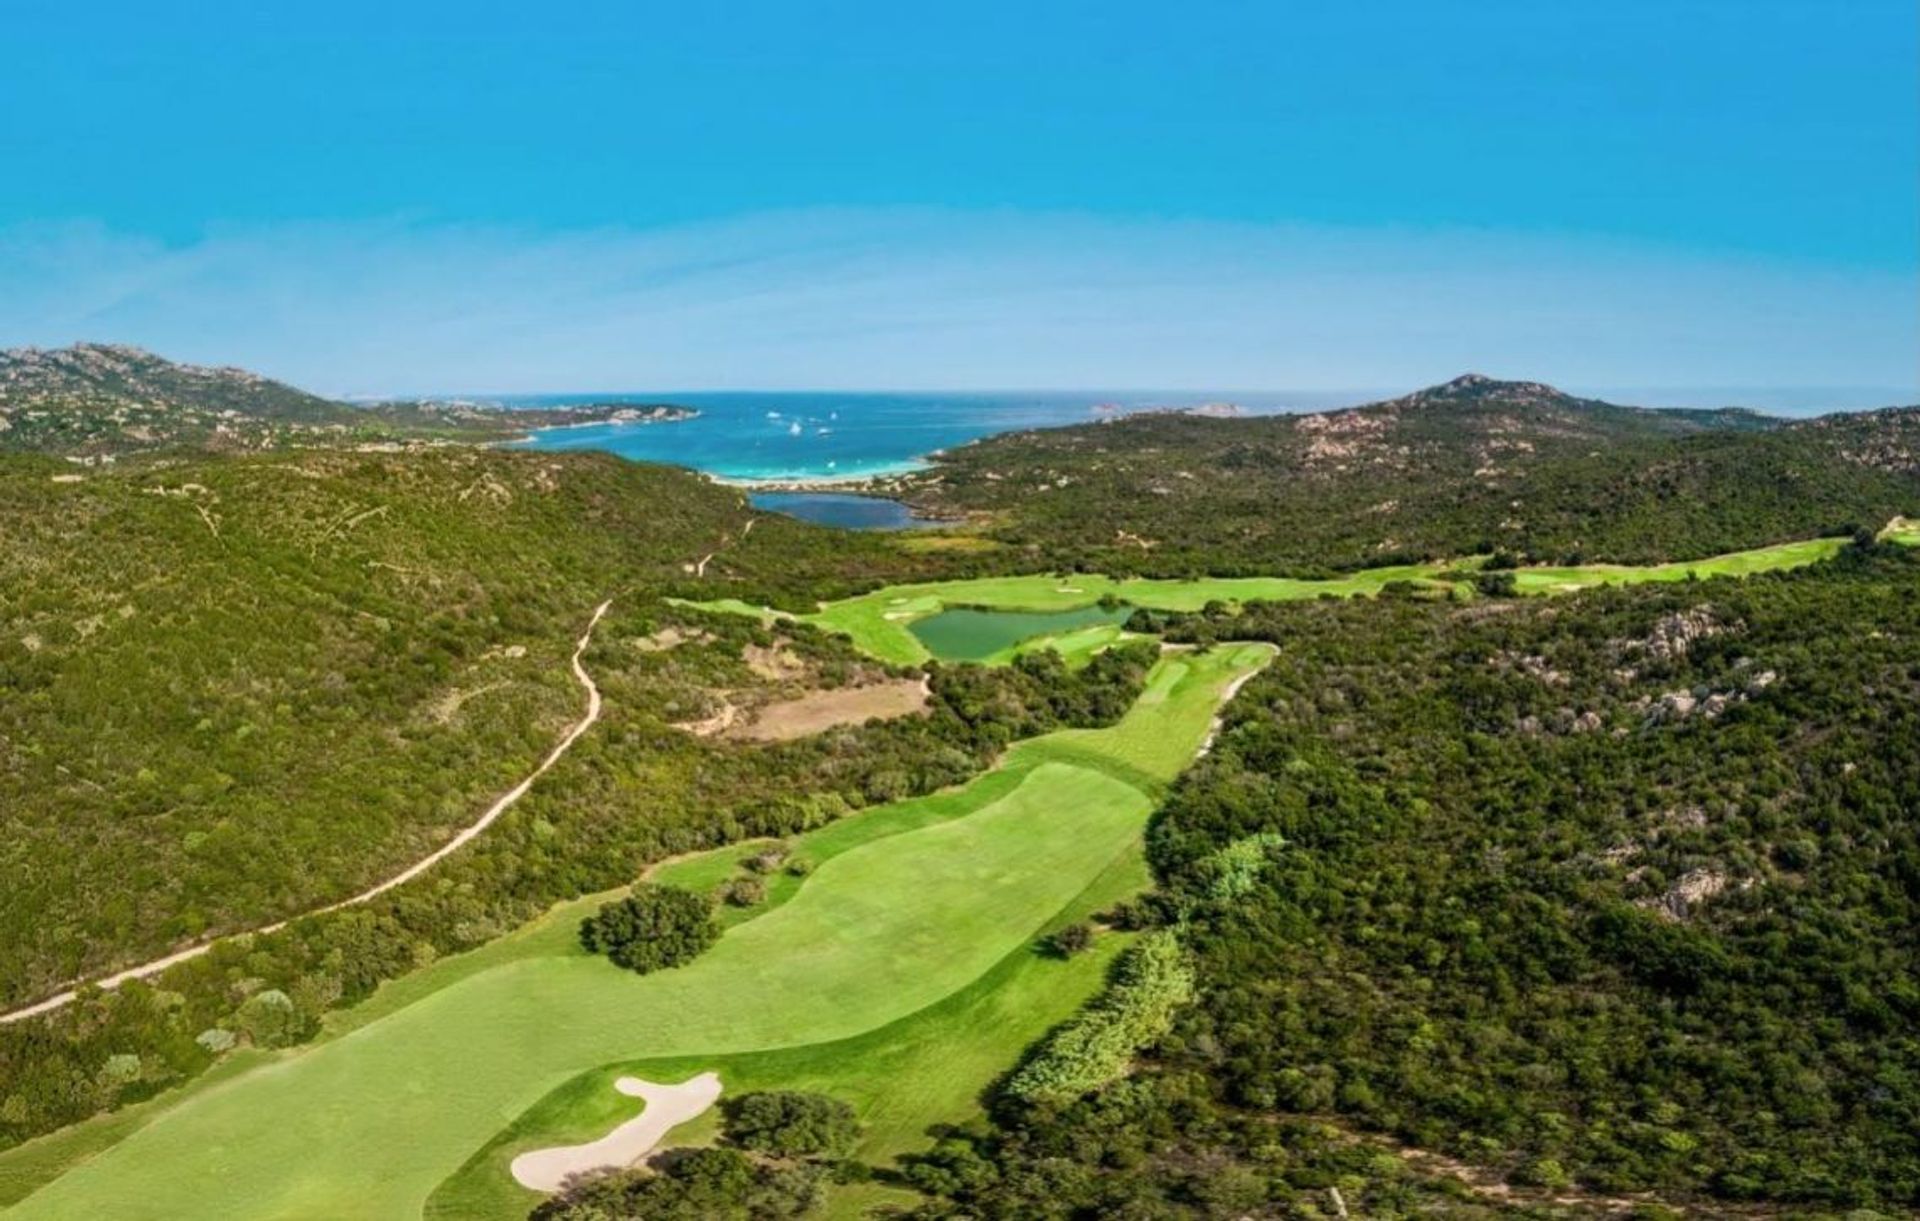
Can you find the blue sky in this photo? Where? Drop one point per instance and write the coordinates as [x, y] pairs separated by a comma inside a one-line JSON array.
[[1715, 193]]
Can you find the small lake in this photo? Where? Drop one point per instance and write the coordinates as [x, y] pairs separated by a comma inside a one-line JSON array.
[[966, 634], [842, 509]]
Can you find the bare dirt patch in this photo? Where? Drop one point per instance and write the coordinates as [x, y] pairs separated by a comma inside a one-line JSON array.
[[670, 637], [776, 663], [822, 710], [719, 722]]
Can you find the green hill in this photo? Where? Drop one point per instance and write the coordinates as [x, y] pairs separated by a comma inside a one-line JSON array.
[[1474, 465], [96, 402]]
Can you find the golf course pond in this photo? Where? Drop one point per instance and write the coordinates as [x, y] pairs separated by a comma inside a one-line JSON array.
[[967, 633]]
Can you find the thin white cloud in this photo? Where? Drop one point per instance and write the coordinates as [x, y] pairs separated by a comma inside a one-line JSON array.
[[911, 298]]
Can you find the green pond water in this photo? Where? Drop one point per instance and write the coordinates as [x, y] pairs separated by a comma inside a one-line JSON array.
[[966, 634]]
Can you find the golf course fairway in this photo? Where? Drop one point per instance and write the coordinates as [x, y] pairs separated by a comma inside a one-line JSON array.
[[894, 921], [881, 623]]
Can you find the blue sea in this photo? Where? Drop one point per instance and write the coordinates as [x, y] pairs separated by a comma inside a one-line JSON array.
[[812, 435]]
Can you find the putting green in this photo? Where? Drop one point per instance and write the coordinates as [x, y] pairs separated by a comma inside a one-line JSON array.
[[368, 1122]]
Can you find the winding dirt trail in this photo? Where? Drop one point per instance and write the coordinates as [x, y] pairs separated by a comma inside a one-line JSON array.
[[500, 806]]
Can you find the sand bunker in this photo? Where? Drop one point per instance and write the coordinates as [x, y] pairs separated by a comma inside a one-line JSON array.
[[667, 1107]]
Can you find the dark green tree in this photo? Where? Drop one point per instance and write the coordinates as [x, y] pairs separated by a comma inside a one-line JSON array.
[[785, 1123], [654, 927]]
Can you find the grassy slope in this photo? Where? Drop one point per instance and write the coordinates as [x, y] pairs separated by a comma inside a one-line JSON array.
[[369, 1122], [880, 622], [926, 1069]]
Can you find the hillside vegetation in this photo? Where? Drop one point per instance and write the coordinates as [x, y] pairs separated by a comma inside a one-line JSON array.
[[237, 688], [1606, 896], [1473, 466], [95, 402]]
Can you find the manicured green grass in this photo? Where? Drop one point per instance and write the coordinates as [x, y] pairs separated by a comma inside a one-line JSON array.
[[927, 1069], [908, 907], [1076, 647], [1734, 564], [1904, 530], [881, 622]]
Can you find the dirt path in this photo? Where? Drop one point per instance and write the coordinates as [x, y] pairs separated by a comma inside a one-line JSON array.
[[667, 1107], [500, 806], [1220, 717]]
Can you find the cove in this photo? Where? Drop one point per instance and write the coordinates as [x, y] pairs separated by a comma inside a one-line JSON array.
[[842, 509]]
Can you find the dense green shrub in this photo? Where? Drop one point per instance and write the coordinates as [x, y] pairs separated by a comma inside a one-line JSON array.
[[1074, 939], [696, 1185], [653, 927], [1150, 981], [784, 1123]]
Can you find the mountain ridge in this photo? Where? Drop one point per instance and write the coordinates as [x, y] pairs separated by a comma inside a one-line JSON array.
[[98, 401]]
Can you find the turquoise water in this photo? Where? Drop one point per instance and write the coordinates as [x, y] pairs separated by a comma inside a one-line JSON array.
[[822, 435], [838, 509], [966, 634]]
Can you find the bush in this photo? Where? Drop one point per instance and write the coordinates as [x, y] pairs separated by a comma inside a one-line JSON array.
[[653, 927], [1074, 939], [697, 1185], [745, 892], [1150, 982], [1500, 584], [269, 1018], [1235, 869], [785, 1123], [768, 861]]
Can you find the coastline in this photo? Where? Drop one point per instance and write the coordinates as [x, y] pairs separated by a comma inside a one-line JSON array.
[[851, 482]]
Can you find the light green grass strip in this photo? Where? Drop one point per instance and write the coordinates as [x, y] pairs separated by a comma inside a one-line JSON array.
[[1734, 564]]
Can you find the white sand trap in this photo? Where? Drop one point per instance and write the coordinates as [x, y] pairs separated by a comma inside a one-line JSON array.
[[667, 1107]]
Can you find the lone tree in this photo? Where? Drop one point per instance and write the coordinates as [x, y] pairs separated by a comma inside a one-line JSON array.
[[1074, 939], [653, 927], [784, 1123]]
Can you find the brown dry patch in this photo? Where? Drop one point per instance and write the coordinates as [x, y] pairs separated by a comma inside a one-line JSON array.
[[448, 706], [775, 662], [822, 710], [709, 726], [670, 637]]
